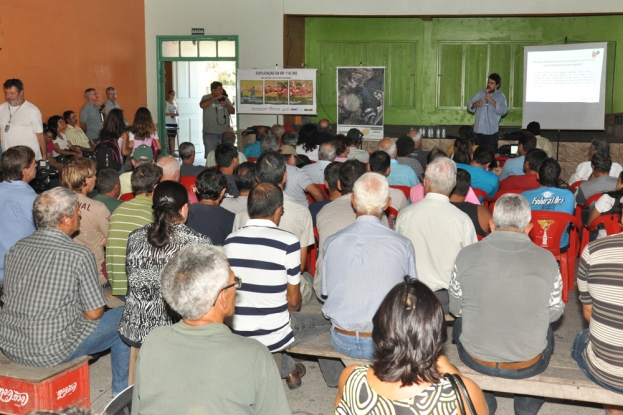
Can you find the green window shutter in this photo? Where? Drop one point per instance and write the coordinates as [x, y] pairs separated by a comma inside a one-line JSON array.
[[476, 58], [500, 63], [450, 69], [401, 77]]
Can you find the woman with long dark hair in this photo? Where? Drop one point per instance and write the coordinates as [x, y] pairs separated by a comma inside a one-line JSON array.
[[307, 141], [407, 373], [149, 250], [143, 131], [114, 129], [462, 151]]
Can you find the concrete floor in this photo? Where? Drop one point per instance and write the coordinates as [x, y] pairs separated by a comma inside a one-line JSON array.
[[314, 397]]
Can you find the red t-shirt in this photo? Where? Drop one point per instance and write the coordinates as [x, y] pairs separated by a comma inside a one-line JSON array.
[[521, 182]]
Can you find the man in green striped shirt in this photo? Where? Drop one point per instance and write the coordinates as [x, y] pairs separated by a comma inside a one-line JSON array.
[[129, 216]]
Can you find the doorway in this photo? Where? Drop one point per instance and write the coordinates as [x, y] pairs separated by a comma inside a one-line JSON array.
[[188, 65]]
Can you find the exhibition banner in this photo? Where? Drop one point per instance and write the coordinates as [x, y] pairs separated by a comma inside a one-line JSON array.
[[360, 100], [277, 91]]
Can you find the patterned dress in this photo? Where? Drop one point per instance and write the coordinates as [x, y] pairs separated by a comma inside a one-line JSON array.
[[145, 309], [358, 398]]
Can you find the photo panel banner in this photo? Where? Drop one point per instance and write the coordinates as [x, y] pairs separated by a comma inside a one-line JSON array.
[[277, 91], [360, 100]]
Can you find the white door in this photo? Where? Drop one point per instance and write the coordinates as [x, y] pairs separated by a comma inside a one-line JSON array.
[[191, 81], [190, 87]]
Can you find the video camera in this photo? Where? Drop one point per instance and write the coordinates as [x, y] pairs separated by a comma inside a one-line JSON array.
[[45, 173]]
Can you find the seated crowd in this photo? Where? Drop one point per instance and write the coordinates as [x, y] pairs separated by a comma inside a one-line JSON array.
[[213, 264]]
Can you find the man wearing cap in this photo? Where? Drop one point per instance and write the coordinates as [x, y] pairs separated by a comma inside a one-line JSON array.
[[298, 181], [142, 154]]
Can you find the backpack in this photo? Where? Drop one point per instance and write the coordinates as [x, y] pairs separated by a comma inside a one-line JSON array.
[[108, 155]]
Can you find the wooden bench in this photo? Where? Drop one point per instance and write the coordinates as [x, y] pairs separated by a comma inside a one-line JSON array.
[[24, 389], [563, 379]]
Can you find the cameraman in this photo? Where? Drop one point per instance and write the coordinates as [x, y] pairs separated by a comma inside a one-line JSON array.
[[16, 198], [217, 109]]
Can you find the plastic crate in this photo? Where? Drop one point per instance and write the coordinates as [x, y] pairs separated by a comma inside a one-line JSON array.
[[24, 389]]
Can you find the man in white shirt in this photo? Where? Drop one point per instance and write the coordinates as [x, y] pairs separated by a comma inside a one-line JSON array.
[[584, 171], [299, 182], [326, 155], [437, 229], [20, 121]]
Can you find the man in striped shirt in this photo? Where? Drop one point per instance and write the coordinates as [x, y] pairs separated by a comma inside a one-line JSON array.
[[268, 261], [129, 216], [599, 349]]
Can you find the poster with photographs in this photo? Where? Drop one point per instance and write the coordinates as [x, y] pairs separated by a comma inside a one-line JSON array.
[[277, 91], [360, 100]]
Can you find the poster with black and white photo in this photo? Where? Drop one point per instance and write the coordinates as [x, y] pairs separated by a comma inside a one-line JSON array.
[[277, 91], [360, 100]]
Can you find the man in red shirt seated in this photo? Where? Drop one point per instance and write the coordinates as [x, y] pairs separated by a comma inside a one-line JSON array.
[[529, 180]]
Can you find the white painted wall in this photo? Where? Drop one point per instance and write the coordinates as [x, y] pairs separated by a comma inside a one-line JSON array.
[[259, 24]]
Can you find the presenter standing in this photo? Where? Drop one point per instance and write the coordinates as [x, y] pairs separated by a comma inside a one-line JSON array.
[[489, 104]]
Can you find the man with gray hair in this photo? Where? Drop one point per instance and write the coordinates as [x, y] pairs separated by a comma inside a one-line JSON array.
[[584, 171], [326, 155], [290, 138], [228, 137], [418, 153], [400, 174], [506, 291], [437, 229], [199, 285], [277, 130], [270, 142], [187, 155], [54, 306], [91, 117], [362, 263], [170, 168]]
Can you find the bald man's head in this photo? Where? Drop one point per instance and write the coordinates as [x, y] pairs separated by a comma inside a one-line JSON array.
[[170, 168]]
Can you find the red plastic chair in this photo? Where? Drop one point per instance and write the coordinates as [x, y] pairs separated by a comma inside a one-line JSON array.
[[324, 189], [312, 254], [126, 196], [612, 223], [586, 205], [392, 215], [575, 185], [482, 194], [190, 183], [500, 193], [404, 189], [547, 231], [253, 159]]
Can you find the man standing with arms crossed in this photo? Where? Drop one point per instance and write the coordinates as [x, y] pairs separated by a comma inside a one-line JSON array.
[[489, 104], [20, 121], [216, 111]]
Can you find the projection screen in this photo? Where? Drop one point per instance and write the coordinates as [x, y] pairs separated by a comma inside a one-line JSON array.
[[565, 86]]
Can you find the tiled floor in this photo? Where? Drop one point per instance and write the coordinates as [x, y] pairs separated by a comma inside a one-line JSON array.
[[314, 397]]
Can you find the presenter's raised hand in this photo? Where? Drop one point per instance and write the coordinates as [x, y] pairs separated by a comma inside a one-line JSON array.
[[489, 98]]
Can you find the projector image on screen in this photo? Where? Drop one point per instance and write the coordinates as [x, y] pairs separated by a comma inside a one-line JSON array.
[[564, 86]]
